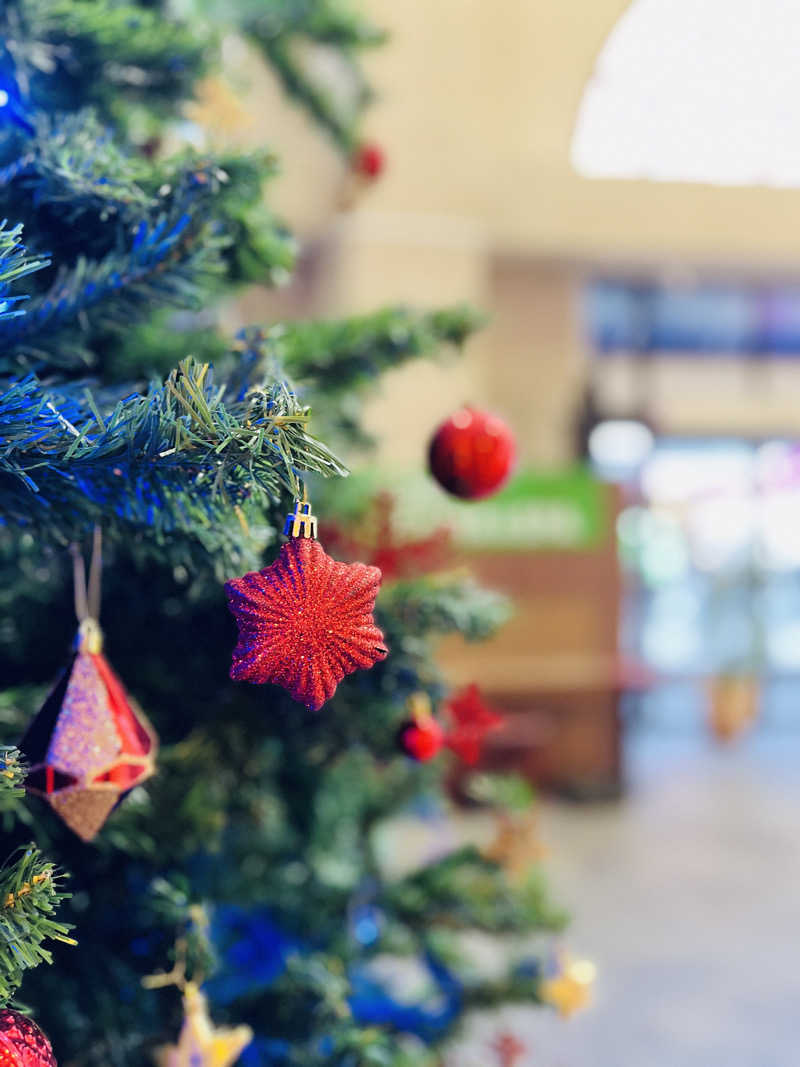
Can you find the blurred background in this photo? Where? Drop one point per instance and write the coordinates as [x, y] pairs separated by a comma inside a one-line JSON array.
[[616, 185]]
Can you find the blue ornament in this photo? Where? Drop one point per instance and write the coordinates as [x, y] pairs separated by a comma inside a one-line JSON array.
[[263, 1052], [252, 951], [12, 106], [372, 1005]]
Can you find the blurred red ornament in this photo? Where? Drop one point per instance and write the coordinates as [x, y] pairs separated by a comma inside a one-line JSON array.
[[378, 544], [88, 746], [471, 454], [305, 622], [22, 1043], [470, 720], [509, 1049], [369, 160], [421, 737]]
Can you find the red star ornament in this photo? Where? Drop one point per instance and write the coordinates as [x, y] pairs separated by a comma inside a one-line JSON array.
[[305, 622], [509, 1049], [470, 721], [385, 549]]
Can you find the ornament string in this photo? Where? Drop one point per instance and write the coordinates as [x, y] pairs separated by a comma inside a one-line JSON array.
[[95, 573], [87, 596], [79, 583]]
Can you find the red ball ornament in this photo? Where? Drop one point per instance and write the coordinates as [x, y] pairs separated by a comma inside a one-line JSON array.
[[422, 740], [471, 454], [369, 160], [421, 736], [305, 621], [22, 1043]]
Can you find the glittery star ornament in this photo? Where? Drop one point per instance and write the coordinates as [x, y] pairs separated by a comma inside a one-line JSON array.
[[201, 1044], [379, 543], [88, 746], [22, 1043], [570, 989], [305, 622], [471, 719], [516, 845], [509, 1049]]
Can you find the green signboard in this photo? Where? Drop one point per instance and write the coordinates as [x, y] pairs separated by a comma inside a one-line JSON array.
[[565, 509]]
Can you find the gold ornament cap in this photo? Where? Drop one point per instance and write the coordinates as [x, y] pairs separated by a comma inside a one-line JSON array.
[[301, 522]]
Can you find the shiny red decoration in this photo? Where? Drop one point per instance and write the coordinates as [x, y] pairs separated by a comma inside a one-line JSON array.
[[509, 1049], [89, 745], [376, 541], [470, 720], [369, 160], [472, 454], [22, 1043], [422, 739], [305, 622]]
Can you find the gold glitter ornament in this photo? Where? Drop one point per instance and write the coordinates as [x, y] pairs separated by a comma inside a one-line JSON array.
[[201, 1044], [89, 745], [570, 989]]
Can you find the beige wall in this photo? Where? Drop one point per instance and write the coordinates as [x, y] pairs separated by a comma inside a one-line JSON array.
[[476, 104]]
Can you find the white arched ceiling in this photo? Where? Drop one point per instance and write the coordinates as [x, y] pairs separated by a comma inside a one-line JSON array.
[[696, 91]]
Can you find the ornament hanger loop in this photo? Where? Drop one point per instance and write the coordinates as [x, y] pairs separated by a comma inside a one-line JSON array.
[[87, 596], [301, 522], [419, 707]]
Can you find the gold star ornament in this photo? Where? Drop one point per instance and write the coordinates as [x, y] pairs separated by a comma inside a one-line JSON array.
[[570, 989], [201, 1044], [516, 845]]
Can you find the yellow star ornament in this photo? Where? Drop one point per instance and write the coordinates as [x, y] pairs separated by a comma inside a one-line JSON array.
[[570, 989], [201, 1044]]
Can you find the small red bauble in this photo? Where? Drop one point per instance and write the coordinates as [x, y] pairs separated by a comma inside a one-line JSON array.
[[22, 1043], [471, 454], [369, 160], [422, 739]]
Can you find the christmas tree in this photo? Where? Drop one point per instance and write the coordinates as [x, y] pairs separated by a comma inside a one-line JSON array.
[[241, 882]]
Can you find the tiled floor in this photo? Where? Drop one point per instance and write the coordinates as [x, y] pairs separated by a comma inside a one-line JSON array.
[[687, 896]]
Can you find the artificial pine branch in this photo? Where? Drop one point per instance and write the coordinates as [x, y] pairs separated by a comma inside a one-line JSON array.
[[12, 775], [326, 21], [280, 30], [442, 604], [336, 360], [155, 235], [102, 51], [345, 354], [317, 100], [465, 890], [14, 264], [73, 161], [179, 457], [29, 896]]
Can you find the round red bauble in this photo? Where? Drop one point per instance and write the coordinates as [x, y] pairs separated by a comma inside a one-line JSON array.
[[369, 160], [22, 1043], [422, 739], [471, 454]]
